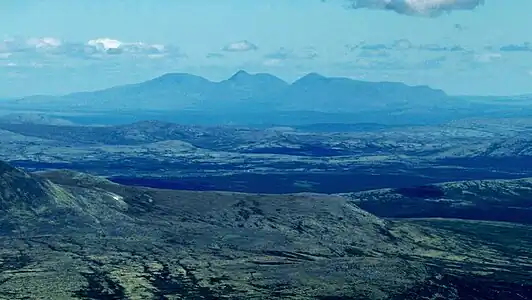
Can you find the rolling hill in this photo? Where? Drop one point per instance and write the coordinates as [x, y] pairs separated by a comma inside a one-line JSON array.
[[74, 236], [494, 200]]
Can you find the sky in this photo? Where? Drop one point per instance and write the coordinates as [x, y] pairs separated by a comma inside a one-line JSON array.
[[473, 47]]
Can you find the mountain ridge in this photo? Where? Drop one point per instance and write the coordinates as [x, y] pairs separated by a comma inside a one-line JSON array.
[[33, 205], [264, 99], [243, 91]]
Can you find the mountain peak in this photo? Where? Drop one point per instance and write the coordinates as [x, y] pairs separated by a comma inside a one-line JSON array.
[[241, 74], [20, 189], [178, 78], [32, 203], [314, 75], [244, 78], [9, 173], [310, 77]]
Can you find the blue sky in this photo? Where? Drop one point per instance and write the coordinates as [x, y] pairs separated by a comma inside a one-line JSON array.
[[461, 46]]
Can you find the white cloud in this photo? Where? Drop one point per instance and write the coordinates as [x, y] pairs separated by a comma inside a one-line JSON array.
[[487, 57], [44, 43], [93, 48], [240, 46], [112, 46], [426, 8], [104, 44], [12, 46]]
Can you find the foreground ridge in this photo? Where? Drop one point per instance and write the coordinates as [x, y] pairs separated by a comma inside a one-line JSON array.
[[107, 241]]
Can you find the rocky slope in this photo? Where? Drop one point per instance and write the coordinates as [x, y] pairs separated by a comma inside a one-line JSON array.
[[81, 237]]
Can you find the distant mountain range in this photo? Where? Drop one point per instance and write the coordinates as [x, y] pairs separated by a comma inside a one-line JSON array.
[[246, 92], [245, 99]]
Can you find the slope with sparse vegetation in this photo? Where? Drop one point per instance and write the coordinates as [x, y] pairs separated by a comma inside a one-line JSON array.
[[119, 242]]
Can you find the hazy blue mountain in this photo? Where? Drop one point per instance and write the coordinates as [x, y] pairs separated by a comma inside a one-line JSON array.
[[344, 94], [170, 91], [254, 83], [265, 100], [244, 91]]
